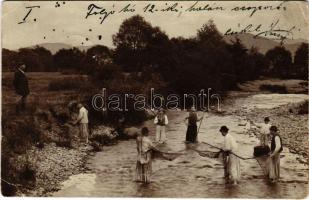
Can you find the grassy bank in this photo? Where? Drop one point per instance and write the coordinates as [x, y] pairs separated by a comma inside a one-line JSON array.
[[41, 147]]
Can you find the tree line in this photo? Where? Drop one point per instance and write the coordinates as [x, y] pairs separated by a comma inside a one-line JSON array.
[[185, 64]]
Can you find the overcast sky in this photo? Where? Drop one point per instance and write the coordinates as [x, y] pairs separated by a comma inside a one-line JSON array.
[[67, 24]]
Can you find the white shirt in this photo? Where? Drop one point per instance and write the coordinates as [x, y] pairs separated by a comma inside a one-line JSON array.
[[265, 129], [83, 115], [230, 144]]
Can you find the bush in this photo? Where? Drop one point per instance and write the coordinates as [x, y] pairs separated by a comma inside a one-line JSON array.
[[20, 134], [303, 108], [274, 88], [104, 135]]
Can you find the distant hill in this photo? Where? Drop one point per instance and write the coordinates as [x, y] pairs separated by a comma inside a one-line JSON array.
[[54, 47], [264, 44]]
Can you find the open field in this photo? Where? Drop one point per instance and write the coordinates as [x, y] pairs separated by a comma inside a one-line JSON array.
[[40, 95]]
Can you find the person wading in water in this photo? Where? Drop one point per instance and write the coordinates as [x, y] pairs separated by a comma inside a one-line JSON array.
[[274, 157], [161, 121], [192, 119], [230, 161], [144, 156]]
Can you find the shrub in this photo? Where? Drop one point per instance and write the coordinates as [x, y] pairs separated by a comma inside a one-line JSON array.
[[303, 108], [274, 88], [20, 134]]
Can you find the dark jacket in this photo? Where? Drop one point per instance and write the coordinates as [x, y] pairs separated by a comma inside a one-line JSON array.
[[21, 83], [192, 119]]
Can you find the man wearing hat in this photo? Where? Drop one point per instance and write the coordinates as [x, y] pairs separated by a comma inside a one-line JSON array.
[[231, 161], [161, 121], [21, 87], [274, 157]]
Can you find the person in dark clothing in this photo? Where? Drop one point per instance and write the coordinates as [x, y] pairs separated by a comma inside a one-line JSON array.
[[120, 128], [192, 120], [21, 87]]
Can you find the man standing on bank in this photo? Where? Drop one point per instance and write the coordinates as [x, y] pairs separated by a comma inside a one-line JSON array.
[[161, 121], [21, 87], [274, 157], [83, 122], [230, 160]]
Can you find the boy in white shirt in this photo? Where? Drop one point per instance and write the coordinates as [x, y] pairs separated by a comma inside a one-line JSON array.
[[264, 132]]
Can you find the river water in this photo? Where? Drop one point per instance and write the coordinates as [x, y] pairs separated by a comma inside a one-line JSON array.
[[190, 175]]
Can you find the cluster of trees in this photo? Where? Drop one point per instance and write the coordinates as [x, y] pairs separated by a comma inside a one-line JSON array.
[[36, 59], [205, 60]]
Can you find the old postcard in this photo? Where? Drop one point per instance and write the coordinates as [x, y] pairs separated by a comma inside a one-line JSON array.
[[175, 99]]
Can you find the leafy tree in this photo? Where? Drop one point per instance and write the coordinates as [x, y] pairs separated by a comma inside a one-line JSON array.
[[301, 61], [239, 60], [280, 61], [135, 42], [9, 59], [96, 57], [36, 59], [210, 34], [212, 53], [69, 59], [257, 64], [31, 59], [45, 57]]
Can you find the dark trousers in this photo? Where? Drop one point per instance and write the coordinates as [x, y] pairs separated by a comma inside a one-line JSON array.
[[21, 105]]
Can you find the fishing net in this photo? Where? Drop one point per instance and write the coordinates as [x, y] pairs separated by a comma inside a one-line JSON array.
[[165, 155]]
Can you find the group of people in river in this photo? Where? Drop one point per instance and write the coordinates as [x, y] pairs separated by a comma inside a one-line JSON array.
[[268, 137]]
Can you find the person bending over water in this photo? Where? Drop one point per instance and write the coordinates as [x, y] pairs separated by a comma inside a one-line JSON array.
[[230, 161], [144, 156]]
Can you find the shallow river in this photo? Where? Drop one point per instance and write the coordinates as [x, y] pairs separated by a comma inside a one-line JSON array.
[[190, 175]]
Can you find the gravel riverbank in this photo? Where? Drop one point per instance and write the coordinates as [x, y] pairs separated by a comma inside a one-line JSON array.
[[293, 127], [54, 165]]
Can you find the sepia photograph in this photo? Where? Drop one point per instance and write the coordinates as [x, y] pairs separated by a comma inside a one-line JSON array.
[[159, 99]]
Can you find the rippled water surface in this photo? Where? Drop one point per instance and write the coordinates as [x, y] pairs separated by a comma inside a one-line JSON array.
[[190, 175]]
